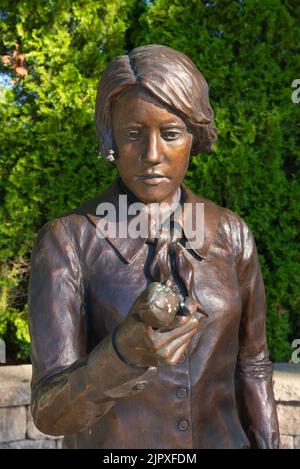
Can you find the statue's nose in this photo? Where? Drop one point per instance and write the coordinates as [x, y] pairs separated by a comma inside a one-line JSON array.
[[152, 152]]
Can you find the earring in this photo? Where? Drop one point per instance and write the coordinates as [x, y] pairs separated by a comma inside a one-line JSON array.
[[110, 156]]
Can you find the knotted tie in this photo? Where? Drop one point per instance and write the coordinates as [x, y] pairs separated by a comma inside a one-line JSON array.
[[170, 253], [160, 269]]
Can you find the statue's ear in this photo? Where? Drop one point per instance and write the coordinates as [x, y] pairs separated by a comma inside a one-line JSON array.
[[107, 144]]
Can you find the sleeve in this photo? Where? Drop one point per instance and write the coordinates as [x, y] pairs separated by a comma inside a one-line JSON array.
[[70, 388], [254, 369]]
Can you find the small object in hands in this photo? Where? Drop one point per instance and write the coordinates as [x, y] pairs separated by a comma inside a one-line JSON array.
[[160, 307]]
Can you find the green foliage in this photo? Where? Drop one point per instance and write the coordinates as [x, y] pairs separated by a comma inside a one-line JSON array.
[[249, 53], [49, 148]]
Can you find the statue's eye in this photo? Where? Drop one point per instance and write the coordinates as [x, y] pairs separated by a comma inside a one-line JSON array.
[[170, 134], [133, 134]]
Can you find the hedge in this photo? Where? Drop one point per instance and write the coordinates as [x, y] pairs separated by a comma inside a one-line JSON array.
[[54, 52]]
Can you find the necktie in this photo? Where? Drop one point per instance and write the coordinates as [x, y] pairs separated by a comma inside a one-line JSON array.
[[170, 253], [160, 268]]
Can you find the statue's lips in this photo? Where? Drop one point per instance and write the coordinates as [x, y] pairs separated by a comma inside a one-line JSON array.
[[152, 179]]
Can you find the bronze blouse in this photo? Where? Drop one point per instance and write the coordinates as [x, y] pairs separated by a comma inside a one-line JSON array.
[[81, 287]]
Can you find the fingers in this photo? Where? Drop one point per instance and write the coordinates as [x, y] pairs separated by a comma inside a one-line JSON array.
[[171, 354], [165, 356], [178, 321], [157, 339], [174, 358], [169, 350], [144, 345]]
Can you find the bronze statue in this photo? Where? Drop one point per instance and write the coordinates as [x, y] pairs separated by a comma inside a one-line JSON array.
[[151, 341]]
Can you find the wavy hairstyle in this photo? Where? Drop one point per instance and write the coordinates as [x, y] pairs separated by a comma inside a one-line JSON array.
[[168, 75]]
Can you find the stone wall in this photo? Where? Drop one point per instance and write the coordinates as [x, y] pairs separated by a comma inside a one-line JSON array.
[[286, 381], [17, 429]]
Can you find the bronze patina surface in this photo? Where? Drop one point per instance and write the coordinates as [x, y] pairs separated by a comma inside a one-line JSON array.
[[151, 341]]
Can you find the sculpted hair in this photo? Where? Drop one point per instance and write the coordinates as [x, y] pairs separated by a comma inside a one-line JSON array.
[[172, 78]]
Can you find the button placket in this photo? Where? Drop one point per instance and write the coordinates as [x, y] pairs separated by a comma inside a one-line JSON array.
[[182, 391]]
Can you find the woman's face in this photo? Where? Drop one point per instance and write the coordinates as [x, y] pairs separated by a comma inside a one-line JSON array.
[[153, 145]]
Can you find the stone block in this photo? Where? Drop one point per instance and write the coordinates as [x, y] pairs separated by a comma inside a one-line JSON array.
[[59, 443], [289, 419], [286, 442], [15, 385], [297, 442], [31, 444], [12, 424], [286, 382]]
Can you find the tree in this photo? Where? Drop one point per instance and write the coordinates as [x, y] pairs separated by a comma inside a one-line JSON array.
[[49, 147], [249, 53]]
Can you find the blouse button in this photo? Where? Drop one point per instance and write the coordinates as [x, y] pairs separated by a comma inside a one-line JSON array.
[[181, 393], [183, 425]]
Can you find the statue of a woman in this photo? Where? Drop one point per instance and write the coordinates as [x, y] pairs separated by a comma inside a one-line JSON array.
[[154, 338]]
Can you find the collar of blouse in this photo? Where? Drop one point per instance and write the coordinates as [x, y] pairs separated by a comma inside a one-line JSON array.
[[187, 218]]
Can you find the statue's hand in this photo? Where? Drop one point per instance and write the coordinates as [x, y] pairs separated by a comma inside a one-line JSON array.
[[153, 334]]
